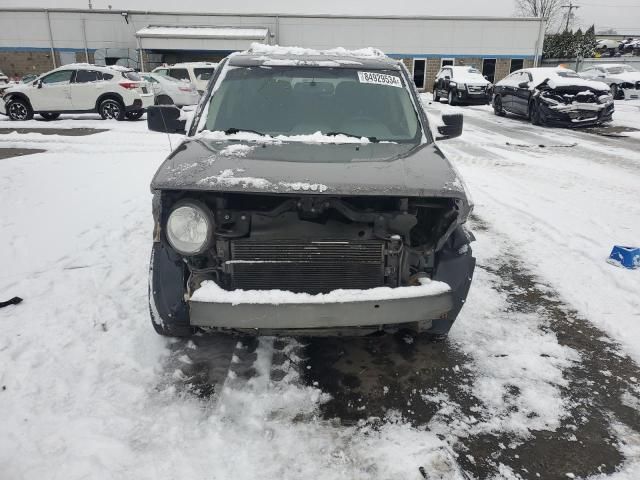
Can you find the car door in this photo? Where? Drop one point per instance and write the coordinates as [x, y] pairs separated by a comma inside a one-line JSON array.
[[506, 90], [86, 88], [521, 94], [53, 92]]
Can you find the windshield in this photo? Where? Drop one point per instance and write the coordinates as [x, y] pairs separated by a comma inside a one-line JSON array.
[[131, 75], [304, 100], [620, 69], [203, 73]]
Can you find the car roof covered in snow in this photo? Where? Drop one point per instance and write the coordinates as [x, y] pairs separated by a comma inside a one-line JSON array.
[[273, 55]]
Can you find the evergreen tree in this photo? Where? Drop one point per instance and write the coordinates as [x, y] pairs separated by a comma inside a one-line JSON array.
[[589, 42]]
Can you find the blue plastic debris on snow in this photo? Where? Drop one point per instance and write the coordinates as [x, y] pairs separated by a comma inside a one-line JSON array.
[[628, 257]]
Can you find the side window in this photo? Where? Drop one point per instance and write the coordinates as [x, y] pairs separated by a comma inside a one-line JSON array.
[[107, 76], [86, 76], [162, 71], [61, 76], [179, 73]]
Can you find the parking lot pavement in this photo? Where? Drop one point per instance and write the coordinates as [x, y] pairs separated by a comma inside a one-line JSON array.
[[538, 379]]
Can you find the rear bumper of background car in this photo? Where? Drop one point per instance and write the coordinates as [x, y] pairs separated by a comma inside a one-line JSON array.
[[142, 102]]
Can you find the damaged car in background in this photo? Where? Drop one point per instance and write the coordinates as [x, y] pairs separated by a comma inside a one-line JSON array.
[[554, 97], [308, 198]]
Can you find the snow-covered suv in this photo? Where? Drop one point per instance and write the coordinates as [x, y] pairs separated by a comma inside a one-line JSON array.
[[113, 92]]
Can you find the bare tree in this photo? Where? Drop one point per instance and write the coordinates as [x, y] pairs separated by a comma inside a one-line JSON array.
[[549, 9]]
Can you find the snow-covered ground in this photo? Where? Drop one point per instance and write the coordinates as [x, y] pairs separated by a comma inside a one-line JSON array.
[[87, 390]]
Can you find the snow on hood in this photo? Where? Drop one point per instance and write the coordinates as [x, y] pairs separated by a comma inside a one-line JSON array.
[[317, 137], [469, 75], [557, 81], [228, 178], [260, 48]]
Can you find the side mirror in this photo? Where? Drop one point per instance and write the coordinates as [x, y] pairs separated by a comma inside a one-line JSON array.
[[165, 119], [38, 83], [452, 126], [447, 77], [523, 85]]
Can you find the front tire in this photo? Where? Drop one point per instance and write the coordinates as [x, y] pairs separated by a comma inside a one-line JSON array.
[[50, 116], [436, 97], [110, 108], [451, 98], [164, 100], [534, 114], [497, 106], [135, 115], [616, 92], [19, 110], [168, 311]]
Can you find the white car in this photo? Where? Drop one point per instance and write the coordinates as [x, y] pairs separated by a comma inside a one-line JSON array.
[[170, 91], [624, 80], [114, 92], [197, 73]]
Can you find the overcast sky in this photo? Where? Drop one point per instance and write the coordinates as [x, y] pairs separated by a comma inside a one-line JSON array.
[[623, 15]]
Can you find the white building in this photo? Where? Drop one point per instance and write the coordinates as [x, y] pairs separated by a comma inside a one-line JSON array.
[[36, 40]]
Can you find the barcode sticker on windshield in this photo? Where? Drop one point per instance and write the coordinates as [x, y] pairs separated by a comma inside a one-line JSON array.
[[379, 79]]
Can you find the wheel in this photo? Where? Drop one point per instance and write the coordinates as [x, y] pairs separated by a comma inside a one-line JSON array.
[[451, 98], [135, 115], [19, 109], [436, 98], [111, 109], [164, 100], [50, 115], [616, 92], [168, 311], [534, 114], [497, 106]]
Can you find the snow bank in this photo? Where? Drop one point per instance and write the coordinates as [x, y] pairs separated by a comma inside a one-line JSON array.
[[211, 292]]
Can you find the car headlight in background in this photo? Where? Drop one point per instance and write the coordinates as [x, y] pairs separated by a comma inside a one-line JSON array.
[[189, 228]]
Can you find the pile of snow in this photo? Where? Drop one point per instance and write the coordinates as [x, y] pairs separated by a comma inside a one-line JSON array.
[[262, 49], [211, 292]]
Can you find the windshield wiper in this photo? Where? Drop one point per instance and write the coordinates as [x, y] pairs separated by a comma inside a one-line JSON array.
[[333, 134], [232, 130]]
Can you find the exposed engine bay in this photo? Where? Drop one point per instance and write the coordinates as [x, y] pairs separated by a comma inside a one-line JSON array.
[[580, 103], [316, 244]]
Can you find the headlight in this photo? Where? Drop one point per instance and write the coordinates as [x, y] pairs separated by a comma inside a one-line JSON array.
[[189, 228], [453, 84]]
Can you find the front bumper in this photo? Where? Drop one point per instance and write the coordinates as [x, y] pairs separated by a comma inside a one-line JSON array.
[[310, 315], [575, 118], [464, 96]]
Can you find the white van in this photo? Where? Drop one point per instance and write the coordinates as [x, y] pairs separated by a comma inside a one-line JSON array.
[[198, 73]]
